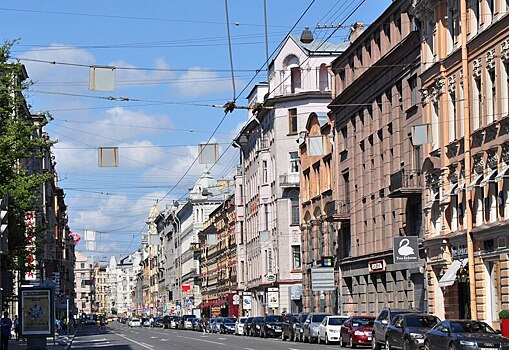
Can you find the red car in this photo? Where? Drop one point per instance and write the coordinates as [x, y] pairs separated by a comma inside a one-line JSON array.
[[357, 330]]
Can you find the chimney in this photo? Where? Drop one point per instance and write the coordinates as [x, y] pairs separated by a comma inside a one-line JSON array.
[[355, 30]]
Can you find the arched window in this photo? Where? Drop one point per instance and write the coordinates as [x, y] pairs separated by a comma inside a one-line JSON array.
[[323, 78], [292, 76]]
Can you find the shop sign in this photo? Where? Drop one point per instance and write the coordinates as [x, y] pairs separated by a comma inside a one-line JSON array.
[[236, 299], [405, 249], [247, 301], [273, 298], [377, 266], [271, 277], [460, 250]]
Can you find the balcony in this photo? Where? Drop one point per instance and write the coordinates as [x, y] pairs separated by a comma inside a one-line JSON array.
[[342, 210], [289, 180], [405, 183]]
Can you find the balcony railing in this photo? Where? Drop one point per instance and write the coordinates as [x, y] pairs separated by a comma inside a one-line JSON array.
[[289, 180], [405, 183], [342, 211]]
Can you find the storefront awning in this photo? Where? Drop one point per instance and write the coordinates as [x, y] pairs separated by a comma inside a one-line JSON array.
[[475, 182], [502, 173], [488, 177], [451, 274]]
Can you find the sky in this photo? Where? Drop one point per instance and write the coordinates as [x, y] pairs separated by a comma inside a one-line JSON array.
[[173, 72]]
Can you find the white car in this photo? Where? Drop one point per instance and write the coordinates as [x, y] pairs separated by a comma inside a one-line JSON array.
[[239, 325], [134, 322], [330, 329]]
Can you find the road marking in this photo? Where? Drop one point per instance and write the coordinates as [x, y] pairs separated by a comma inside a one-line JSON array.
[[146, 346], [249, 349], [203, 340]]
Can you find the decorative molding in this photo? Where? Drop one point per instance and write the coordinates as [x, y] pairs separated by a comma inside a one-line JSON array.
[[453, 173], [504, 50], [424, 96], [451, 82], [505, 153], [452, 149], [490, 59], [477, 65], [437, 89], [478, 164], [492, 159]]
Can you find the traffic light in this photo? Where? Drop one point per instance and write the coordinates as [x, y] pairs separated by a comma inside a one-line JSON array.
[[4, 232]]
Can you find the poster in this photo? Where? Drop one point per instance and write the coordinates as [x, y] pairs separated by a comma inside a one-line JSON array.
[[36, 311], [273, 298]]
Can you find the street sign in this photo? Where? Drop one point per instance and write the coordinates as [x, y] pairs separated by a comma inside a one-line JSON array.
[[322, 278], [405, 249]]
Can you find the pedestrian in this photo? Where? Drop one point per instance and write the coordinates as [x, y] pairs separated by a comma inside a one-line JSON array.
[[16, 326], [5, 331], [151, 321]]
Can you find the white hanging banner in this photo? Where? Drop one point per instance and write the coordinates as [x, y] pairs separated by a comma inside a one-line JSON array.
[[102, 78]]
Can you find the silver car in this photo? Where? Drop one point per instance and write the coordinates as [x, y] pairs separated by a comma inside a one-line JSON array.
[[310, 328]]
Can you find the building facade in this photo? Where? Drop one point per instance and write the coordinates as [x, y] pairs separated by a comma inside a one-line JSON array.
[[377, 177], [270, 262], [465, 70], [83, 276]]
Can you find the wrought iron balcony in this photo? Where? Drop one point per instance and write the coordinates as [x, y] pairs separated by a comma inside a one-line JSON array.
[[405, 183], [289, 180]]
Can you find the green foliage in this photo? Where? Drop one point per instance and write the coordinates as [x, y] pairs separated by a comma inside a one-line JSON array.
[[21, 147], [504, 314]]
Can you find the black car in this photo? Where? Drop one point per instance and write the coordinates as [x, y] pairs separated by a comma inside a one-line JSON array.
[[407, 331], [270, 326], [288, 326], [255, 327], [464, 335], [381, 323], [247, 325], [158, 322], [227, 325], [298, 334]]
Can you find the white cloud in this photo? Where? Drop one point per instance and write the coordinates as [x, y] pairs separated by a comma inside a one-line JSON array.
[[200, 81]]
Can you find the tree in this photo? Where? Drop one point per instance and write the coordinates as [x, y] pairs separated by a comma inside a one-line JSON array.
[[22, 144]]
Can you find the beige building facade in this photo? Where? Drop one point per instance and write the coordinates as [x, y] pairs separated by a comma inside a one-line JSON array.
[[465, 70]]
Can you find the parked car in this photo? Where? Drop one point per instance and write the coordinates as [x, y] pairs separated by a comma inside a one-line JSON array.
[[216, 325], [329, 329], [288, 326], [239, 325], [310, 328], [212, 325], [298, 333], [383, 319], [145, 322], [464, 335], [407, 331], [158, 322], [247, 326], [270, 326], [254, 329], [134, 322], [227, 325], [174, 322], [197, 324], [357, 330], [186, 322]]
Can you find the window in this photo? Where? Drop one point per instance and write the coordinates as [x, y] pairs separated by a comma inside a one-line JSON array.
[[82, 265], [295, 79], [452, 115], [296, 257], [477, 103], [292, 119], [265, 172], [294, 162], [412, 84], [323, 78], [266, 215], [294, 201], [493, 105]]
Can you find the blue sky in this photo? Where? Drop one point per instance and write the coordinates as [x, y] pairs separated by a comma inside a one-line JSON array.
[[173, 63]]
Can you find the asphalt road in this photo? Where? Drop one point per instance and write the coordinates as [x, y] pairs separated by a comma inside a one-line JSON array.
[[119, 336]]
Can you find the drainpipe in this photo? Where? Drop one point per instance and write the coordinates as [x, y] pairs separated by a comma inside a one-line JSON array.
[[466, 122]]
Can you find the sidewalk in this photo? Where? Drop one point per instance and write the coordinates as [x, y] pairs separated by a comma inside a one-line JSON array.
[[56, 345]]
